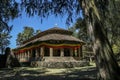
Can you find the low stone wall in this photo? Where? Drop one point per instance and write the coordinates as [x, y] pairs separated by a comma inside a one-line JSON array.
[[66, 64]]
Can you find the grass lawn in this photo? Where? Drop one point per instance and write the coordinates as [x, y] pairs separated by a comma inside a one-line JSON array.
[[29, 73]]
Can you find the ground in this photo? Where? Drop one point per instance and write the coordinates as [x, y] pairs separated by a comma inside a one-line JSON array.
[[29, 73]]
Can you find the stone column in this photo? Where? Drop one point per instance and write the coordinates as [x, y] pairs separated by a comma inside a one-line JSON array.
[[21, 55], [28, 54], [71, 52], [62, 52], [42, 51], [51, 52], [25, 54], [76, 52]]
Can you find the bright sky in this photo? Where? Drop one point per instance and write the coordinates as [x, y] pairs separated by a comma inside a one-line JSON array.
[[34, 22]]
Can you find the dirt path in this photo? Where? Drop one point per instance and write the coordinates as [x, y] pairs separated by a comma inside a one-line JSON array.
[[27, 73]]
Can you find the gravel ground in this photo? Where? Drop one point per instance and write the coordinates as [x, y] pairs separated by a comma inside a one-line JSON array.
[[28, 73]]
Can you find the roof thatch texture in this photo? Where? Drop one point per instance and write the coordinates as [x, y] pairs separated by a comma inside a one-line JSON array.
[[49, 31], [53, 34], [57, 37]]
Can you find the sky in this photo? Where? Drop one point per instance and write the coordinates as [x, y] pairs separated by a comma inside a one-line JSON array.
[[34, 22]]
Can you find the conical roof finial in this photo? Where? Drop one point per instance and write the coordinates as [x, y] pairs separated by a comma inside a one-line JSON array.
[[56, 25]]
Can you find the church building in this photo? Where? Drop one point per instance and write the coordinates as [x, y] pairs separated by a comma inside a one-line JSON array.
[[51, 46]]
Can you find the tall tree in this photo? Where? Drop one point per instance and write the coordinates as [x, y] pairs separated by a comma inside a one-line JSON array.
[[27, 33], [81, 28], [4, 38], [114, 33], [94, 11], [74, 30], [19, 39], [8, 11]]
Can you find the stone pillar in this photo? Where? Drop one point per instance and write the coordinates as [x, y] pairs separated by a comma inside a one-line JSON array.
[[51, 52], [25, 54], [36, 53], [22, 55], [62, 52], [19, 55], [71, 52], [28, 54], [76, 52], [42, 51]]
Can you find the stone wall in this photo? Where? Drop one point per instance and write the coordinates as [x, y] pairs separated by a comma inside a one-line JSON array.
[[59, 64]]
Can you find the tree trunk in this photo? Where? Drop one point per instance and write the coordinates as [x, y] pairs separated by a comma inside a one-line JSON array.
[[105, 59]]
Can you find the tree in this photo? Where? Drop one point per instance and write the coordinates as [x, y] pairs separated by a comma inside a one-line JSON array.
[[19, 39], [8, 11], [74, 30], [4, 41], [105, 59], [4, 36], [114, 33], [94, 11], [37, 31], [27, 33], [81, 28]]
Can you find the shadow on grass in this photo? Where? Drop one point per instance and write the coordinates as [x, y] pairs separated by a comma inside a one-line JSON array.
[[40, 74]]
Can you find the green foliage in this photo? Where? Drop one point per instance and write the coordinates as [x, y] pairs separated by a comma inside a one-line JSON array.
[[19, 39], [4, 36], [116, 49], [79, 30], [4, 41], [74, 30], [45, 8], [27, 33], [8, 11], [37, 31]]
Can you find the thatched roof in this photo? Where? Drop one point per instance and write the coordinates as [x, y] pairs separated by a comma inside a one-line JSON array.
[[49, 31], [56, 37], [53, 34]]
